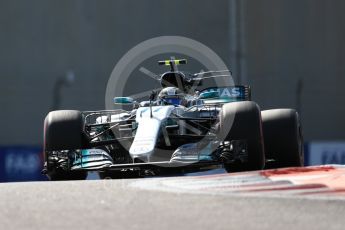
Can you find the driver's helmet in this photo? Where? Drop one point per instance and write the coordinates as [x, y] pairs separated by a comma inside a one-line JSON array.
[[172, 96]]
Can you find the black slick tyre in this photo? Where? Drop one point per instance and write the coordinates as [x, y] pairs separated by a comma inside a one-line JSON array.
[[63, 130], [242, 121], [283, 137]]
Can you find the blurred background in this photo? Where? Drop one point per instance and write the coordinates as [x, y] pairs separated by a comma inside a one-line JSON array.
[[60, 54]]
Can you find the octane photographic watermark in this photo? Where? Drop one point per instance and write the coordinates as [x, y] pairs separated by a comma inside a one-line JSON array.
[[131, 76]]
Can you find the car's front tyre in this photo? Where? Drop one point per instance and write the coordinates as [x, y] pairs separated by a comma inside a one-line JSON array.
[[63, 130], [242, 121]]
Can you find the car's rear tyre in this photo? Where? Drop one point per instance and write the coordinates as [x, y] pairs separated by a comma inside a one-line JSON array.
[[242, 121], [63, 130], [283, 137]]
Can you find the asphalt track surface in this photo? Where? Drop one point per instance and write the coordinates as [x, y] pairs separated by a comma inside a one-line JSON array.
[[147, 204]]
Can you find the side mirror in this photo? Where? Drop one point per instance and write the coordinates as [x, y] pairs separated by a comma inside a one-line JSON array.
[[123, 101]]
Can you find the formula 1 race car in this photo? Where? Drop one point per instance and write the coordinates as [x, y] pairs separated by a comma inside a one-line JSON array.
[[183, 128]]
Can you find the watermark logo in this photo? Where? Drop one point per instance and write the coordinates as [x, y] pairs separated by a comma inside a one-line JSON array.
[[137, 74]]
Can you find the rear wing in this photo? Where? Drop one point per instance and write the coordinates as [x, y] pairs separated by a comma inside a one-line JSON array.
[[226, 94]]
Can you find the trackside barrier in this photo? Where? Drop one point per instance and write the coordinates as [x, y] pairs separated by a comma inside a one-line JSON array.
[[325, 152], [21, 163]]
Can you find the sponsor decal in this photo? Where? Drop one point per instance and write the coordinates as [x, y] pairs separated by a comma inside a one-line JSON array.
[[228, 92], [20, 163], [321, 153]]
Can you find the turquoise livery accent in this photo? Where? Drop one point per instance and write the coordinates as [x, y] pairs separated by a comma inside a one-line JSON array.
[[89, 158], [123, 100]]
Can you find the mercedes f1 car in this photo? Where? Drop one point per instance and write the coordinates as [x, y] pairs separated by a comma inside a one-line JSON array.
[[184, 128]]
